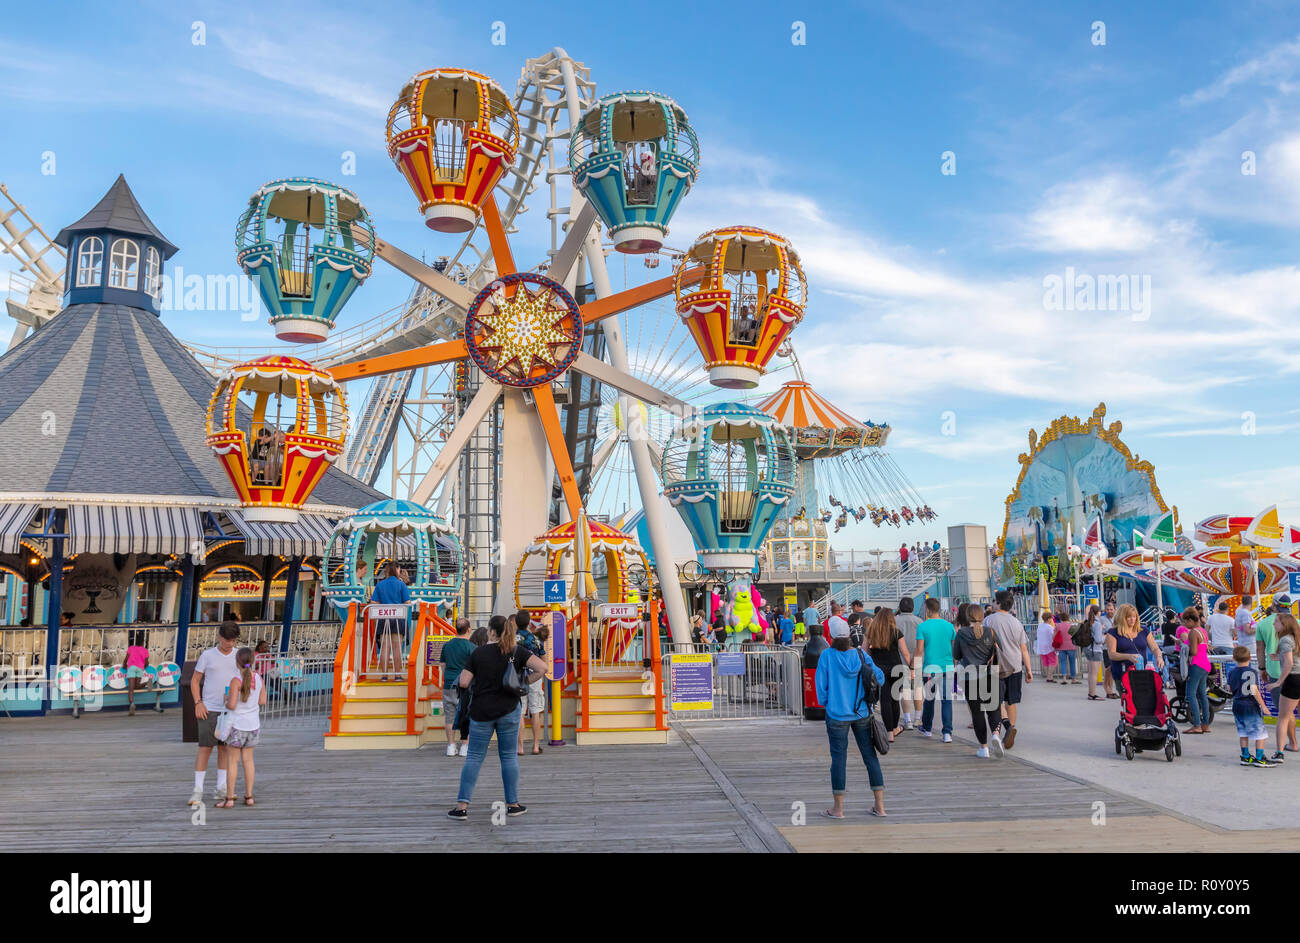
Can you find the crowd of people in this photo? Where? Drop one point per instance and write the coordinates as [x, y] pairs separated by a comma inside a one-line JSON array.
[[913, 669]]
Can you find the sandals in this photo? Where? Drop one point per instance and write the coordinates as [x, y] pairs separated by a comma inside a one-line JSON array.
[[248, 801], [537, 752], [830, 815], [226, 803], [1095, 697], [879, 814]]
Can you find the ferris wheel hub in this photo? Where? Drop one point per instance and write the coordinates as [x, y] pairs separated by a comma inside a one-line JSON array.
[[524, 330]]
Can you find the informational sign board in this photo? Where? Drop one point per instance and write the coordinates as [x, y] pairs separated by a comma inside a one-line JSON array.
[[1091, 594], [791, 597], [380, 613], [1293, 582], [559, 646], [554, 591], [691, 682], [618, 611], [731, 663]]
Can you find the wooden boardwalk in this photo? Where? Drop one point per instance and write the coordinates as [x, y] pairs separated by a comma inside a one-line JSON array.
[[107, 782]]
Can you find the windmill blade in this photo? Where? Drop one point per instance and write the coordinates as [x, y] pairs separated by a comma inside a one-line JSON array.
[[457, 439]]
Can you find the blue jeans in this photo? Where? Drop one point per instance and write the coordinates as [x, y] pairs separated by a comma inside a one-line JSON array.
[[1198, 700], [837, 731], [480, 734], [1070, 657], [937, 686]]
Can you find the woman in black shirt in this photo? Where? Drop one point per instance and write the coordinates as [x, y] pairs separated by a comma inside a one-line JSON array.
[[494, 709], [888, 649]]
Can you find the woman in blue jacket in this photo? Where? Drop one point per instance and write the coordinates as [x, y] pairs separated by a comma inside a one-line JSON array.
[[839, 687]]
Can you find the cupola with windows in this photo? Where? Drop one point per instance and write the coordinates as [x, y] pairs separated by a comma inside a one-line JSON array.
[[115, 254]]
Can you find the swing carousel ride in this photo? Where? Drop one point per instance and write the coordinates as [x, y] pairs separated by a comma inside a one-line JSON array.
[[505, 398]]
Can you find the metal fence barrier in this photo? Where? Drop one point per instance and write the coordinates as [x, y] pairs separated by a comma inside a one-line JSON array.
[[767, 683], [298, 690]]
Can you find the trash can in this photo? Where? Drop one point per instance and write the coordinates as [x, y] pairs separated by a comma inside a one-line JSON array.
[[812, 651], [189, 723]]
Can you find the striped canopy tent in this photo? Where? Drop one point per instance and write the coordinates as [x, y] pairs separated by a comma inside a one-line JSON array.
[[844, 474], [607, 553]]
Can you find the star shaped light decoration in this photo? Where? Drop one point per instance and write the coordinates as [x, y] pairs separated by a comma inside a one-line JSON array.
[[525, 329]]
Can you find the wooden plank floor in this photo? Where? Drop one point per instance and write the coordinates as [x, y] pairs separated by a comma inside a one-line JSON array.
[[111, 782]]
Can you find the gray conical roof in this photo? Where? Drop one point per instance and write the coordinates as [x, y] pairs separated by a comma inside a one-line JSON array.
[[104, 400], [119, 211]]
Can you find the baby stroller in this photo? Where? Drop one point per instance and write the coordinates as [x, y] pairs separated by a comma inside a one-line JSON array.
[[1215, 693], [1145, 721]]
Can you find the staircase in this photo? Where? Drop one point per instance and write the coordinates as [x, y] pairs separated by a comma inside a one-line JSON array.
[[919, 576], [368, 713], [622, 701]]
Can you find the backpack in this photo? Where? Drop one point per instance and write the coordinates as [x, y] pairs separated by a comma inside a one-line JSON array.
[[870, 686], [511, 682], [1082, 635]]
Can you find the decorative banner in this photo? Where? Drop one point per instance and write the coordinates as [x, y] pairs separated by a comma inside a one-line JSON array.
[[691, 679], [168, 673], [96, 588], [116, 678]]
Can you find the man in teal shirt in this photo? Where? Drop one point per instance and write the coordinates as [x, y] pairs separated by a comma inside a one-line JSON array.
[[455, 653], [934, 650], [1266, 639]]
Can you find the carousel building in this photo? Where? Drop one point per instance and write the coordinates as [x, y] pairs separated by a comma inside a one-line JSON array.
[[113, 508]]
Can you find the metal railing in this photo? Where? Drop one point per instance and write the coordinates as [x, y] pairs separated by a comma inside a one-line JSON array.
[[891, 585], [298, 690], [306, 639], [753, 683], [22, 653]]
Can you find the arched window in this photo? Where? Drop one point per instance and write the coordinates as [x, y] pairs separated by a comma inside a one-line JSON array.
[[90, 262], [152, 273], [124, 264]]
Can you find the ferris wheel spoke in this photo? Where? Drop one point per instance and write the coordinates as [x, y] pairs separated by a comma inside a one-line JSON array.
[[501, 252], [457, 439], [562, 264], [544, 402], [460, 296], [606, 373]]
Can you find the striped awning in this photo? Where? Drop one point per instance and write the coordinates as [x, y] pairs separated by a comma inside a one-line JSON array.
[[309, 536], [797, 406], [127, 529], [14, 519]]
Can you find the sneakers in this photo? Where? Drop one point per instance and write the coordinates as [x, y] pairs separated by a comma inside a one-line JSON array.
[[459, 815], [451, 749], [131, 710], [947, 738], [516, 809], [1277, 759], [1010, 739], [995, 744], [197, 798], [909, 726], [1264, 764], [464, 748], [924, 733], [982, 752]]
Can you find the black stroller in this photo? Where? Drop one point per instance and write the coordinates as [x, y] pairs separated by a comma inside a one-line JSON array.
[[1215, 692], [1145, 721]]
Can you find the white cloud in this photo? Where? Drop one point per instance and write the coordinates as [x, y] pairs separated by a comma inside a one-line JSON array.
[[1276, 68], [1104, 214]]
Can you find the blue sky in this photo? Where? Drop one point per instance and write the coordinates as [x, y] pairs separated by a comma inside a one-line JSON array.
[[927, 290]]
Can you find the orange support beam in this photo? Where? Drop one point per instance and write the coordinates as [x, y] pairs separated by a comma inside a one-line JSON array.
[[544, 400], [656, 665], [342, 664], [501, 254], [630, 298], [402, 360]]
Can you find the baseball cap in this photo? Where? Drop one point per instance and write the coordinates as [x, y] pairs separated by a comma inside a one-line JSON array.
[[1282, 600], [839, 627]]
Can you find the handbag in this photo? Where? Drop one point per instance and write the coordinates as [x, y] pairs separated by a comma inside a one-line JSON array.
[[225, 725], [462, 711], [511, 682], [875, 726]]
